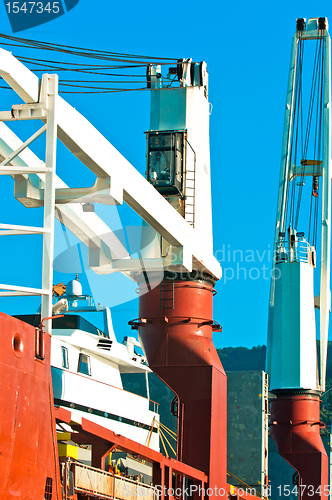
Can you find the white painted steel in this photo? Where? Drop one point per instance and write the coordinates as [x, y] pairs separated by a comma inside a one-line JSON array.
[[281, 339], [51, 90], [9, 229], [22, 170], [19, 77], [118, 353], [294, 360], [82, 390], [23, 146], [87, 227], [14, 290], [187, 109], [103, 389], [103, 159], [282, 190]]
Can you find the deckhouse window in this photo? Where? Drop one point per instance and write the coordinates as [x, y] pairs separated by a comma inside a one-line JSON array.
[[64, 356], [84, 365]]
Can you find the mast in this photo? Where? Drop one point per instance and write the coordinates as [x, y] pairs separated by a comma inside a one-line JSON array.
[[292, 355]]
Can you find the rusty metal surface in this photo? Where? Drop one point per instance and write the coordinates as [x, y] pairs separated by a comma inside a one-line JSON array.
[[28, 445]]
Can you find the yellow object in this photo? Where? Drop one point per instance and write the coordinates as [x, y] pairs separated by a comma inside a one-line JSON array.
[[171, 433], [311, 162], [116, 468], [59, 289], [68, 450], [150, 433], [63, 436]]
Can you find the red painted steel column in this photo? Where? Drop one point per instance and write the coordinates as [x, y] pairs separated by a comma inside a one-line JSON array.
[[29, 462], [295, 430], [178, 344]]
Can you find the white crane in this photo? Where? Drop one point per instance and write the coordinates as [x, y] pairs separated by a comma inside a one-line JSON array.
[[305, 159]]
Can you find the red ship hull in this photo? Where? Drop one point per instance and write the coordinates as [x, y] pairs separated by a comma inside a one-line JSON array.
[[28, 444]]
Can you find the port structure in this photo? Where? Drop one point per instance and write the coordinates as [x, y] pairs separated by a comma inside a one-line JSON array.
[[174, 202], [46, 107], [296, 379]]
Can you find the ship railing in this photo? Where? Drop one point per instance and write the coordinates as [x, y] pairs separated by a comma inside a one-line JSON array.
[[297, 251], [101, 484], [153, 406]]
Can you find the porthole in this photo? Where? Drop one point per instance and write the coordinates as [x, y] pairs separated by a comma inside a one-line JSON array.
[[18, 345]]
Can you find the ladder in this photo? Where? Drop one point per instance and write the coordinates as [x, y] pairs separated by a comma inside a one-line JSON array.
[[189, 200], [45, 110], [167, 295]]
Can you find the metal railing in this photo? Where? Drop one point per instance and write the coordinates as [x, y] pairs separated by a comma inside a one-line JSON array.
[[103, 484], [297, 251]]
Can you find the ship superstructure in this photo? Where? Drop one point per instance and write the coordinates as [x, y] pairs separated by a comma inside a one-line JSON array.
[[87, 365]]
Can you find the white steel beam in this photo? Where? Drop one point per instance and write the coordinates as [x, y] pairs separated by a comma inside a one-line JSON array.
[[23, 146], [25, 83], [282, 191], [127, 184], [24, 112], [98, 193], [14, 290], [10, 229], [21, 170], [87, 227], [51, 84]]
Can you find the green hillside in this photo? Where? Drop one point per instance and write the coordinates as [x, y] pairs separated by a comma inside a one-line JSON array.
[[242, 358]]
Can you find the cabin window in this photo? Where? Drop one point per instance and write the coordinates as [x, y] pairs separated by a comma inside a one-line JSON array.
[[64, 356], [84, 364], [166, 161]]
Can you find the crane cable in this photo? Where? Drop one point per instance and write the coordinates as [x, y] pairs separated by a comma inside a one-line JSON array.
[[316, 84], [298, 116], [290, 133], [313, 218], [300, 138], [114, 62], [319, 146]]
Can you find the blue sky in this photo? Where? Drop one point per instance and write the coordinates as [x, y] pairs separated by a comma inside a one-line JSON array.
[[247, 47]]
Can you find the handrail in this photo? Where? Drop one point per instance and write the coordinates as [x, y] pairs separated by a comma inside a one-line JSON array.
[[297, 251], [109, 485]]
